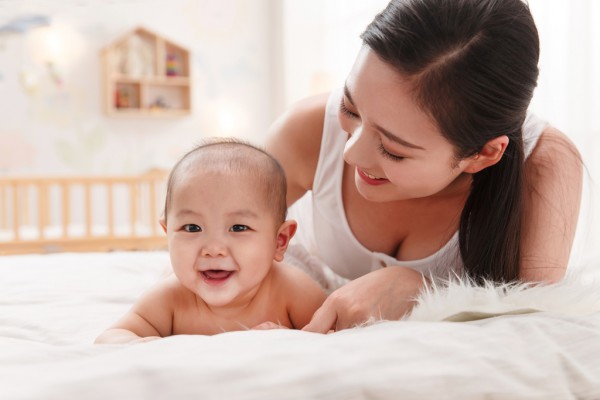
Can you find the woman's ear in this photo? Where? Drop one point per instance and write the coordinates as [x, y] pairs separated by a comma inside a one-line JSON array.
[[284, 235], [489, 155]]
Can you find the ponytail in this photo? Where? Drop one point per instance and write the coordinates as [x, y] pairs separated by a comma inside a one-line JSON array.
[[490, 224]]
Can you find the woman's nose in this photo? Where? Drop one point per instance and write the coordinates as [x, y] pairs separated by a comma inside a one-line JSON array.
[[356, 150]]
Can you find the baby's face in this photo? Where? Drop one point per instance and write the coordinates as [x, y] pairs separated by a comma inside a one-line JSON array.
[[222, 236]]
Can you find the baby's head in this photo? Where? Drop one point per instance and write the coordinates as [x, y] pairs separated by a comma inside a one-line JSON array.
[[230, 156], [225, 220]]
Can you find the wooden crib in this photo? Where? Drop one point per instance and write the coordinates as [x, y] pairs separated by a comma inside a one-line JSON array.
[[81, 213]]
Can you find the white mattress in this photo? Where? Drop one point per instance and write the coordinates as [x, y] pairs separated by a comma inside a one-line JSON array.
[[540, 343]]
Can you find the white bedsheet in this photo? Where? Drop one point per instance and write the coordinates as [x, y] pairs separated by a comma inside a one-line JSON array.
[[53, 306]]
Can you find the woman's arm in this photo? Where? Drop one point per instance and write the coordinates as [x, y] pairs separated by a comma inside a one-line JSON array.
[[553, 183], [295, 141]]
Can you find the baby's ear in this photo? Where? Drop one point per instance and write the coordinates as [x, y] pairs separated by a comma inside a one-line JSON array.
[[284, 235], [163, 222]]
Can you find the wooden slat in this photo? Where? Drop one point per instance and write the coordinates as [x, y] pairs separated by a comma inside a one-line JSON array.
[[42, 199], [66, 209], [16, 225], [110, 209], [88, 210], [25, 214], [133, 208]]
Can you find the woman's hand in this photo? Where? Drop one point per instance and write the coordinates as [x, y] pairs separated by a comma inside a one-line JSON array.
[[387, 294]]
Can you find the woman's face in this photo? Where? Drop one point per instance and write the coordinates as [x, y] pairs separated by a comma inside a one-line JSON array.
[[397, 150]]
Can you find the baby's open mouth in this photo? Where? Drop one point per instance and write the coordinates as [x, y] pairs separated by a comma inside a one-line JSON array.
[[216, 275]]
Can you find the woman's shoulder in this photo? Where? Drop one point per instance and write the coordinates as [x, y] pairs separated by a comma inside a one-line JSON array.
[[554, 170], [294, 140], [301, 125], [554, 147]]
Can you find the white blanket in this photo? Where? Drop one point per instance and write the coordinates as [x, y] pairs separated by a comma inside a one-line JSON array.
[[538, 343]]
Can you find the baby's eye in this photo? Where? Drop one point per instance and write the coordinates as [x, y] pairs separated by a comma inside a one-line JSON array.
[[239, 228], [192, 228]]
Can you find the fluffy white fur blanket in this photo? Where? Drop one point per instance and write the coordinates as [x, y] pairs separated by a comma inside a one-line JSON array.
[[461, 300]]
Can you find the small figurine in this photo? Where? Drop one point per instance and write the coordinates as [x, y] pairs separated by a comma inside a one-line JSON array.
[[158, 104]]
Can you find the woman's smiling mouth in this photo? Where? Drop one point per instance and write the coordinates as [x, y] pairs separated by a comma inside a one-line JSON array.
[[370, 179]]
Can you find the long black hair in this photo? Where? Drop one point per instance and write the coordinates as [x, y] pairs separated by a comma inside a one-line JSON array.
[[474, 66]]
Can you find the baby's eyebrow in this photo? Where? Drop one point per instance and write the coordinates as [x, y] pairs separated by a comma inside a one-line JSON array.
[[245, 212], [185, 212]]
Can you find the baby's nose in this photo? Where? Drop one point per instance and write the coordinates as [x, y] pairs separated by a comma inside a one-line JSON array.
[[214, 248]]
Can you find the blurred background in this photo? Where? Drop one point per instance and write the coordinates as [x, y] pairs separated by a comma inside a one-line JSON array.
[[249, 61]]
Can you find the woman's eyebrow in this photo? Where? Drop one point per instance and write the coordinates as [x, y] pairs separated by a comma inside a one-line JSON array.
[[396, 139], [383, 131]]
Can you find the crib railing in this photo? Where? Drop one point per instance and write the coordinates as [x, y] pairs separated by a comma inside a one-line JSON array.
[[84, 213]]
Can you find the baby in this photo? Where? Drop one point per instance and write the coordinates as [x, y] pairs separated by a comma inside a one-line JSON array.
[[225, 222]]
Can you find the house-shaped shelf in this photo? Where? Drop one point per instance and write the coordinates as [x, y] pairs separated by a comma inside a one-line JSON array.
[[146, 75]]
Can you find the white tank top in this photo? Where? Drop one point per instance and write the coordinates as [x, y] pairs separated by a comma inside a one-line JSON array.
[[323, 230]]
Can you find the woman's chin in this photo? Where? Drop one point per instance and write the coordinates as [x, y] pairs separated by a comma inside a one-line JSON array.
[[377, 195]]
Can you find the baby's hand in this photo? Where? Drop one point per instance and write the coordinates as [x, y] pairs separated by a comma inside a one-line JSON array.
[[269, 325]]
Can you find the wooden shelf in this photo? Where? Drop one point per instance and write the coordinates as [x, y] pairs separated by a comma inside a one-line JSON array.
[[146, 75], [149, 112]]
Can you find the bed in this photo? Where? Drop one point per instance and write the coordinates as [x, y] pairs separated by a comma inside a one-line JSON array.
[[460, 341]]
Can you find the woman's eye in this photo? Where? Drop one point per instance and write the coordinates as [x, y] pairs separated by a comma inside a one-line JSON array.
[[192, 228], [239, 228], [389, 155], [344, 110]]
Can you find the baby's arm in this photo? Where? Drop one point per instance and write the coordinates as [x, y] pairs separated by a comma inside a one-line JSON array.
[[305, 296], [150, 318]]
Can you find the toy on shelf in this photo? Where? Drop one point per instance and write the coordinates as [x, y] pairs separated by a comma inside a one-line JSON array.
[[172, 65]]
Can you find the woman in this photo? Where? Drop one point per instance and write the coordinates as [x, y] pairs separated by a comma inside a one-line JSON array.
[[427, 161]]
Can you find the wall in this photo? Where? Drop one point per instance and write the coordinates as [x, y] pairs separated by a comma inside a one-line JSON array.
[[53, 122], [321, 41]]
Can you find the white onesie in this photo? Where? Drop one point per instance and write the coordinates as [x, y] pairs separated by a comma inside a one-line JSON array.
[[323, 230]]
